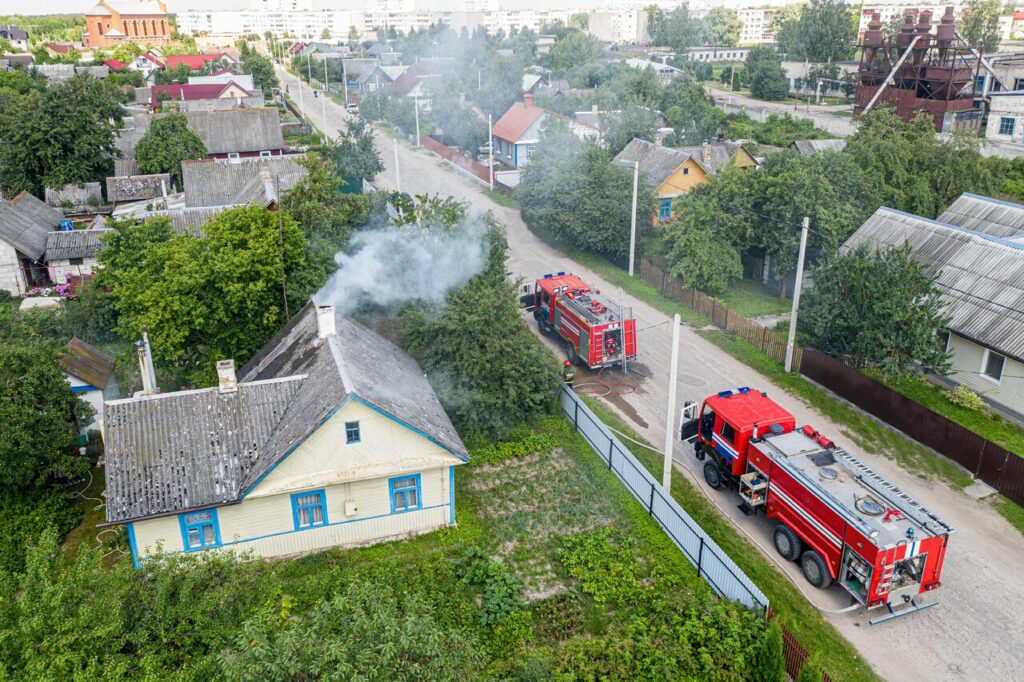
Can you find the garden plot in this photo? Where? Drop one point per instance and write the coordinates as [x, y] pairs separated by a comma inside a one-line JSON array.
[[530, 504]]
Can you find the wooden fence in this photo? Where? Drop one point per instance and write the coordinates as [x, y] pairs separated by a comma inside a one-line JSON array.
[[456, 158], [764, 339], [993, 464]]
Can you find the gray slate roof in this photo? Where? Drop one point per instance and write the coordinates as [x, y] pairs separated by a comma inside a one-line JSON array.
[[76, 195], [984, 214], [971, 268], [189, 220], [169, 453], [220, 183], [124, 167], [132, 129], [24, 223], [656, 163], [68, 244], [806, 147], [237, 130], [718, 154]]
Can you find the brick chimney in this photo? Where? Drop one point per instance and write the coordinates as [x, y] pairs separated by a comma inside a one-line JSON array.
[[528, 100], [706, 153], [227, 382], [325, 321]]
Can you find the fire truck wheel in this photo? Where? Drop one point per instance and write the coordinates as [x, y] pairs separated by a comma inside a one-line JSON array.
[[713, 475], [815, 569], [787, 542]]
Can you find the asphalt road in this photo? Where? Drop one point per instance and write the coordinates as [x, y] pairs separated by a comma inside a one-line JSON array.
[[974, 633]]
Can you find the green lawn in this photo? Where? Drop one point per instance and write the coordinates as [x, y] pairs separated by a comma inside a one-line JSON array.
[[841, 660], [753, 299], [986, 424]]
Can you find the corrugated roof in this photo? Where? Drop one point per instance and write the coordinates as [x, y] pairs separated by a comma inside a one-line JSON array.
[[24, 223], [238, 130], [191, 449], [984, 214], [514, 123], [712, 156], [221, 183], [123, 167], [197, 61], [981, 276], [88, 363], [189, 220], [188, 92], [805, 147], [657, 164], [68, 244]]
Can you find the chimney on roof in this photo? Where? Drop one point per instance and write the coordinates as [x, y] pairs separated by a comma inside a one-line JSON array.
[[227, 382], [706, 153], [325, 321], [658, 140], [146, 368], [528, 100]]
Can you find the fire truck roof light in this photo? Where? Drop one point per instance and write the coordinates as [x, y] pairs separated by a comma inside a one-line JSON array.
[[745, 389], [548, 276], [724, 394], [561, 273]]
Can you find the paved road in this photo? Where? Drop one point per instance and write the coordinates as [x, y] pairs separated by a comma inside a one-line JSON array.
[[822, 116], [973, 634]]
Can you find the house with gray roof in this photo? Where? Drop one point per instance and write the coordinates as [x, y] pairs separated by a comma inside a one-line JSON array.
[[668, 173], [329, 436], [73, 253], [226, 133], [90, 375], [981, 278], [249, 181], [808, 147], [25, 221]]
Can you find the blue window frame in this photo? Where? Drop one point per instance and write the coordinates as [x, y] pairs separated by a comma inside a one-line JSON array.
[[199, 530], [405, 493], [665, 209], [1006, 125], [309, 509], [351, 432]]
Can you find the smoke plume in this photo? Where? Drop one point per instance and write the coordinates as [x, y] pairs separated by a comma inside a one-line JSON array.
[[391, 266]]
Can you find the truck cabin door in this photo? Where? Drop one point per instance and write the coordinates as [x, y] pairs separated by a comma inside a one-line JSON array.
[[528, 297], [707, 425]]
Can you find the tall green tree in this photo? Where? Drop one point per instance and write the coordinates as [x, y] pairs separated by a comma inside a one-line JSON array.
[[571, 50], [853, 312], [825, 31], [979, 24], [690, 111], [59, 135], [767, 79], [166, 144], [355, 155], [675, 29], [632, 122], [40, 417], [207, 298], [911, 169], [488, 382], [721, 27]]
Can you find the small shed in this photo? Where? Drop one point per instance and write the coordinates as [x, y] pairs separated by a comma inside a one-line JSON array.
[[90, 372], [73, 252]]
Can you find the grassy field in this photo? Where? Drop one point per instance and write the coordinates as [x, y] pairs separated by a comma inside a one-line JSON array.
[[753, 299], [841, 660], [986, 424]]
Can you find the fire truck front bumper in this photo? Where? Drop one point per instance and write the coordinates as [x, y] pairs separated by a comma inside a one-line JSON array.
[[909, 605]]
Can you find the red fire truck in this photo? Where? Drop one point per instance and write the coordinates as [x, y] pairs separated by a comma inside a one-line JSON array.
[[842, 521], [594, 330]]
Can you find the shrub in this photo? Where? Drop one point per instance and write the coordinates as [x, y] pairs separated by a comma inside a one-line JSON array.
[[966, 398], [500, 588]]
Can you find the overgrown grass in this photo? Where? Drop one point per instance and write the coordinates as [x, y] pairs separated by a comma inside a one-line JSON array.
[[842, 662], [986, 424], [753, 299], [500, 198], [1011, 511], [90, 502], [858, 427]]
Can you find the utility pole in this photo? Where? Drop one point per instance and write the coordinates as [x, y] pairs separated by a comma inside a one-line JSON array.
[[732, 76], [670, 429], [344, 80], [632, 219], [398, 174], [490, 149], [301, 107], [416, 106], [280, 237], [323, 103], [791, 340]]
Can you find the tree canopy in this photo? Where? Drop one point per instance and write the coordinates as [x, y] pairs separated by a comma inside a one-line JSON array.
[[824, 31], [721, 27], [764, 71], [876, 310], [488, 382], [167, 143], [979, 24], [206, 298], [57, 135]]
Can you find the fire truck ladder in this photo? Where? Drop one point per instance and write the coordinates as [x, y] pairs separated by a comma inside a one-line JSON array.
[[890, 492]]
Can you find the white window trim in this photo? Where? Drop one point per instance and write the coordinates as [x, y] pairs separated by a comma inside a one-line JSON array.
[[984, 364], [265, 154]]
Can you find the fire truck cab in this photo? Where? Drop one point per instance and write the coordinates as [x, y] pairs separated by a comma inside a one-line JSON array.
[[839, 519]]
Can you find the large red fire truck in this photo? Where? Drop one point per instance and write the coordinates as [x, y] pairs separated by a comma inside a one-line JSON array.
[[594, 330], [842, 521]]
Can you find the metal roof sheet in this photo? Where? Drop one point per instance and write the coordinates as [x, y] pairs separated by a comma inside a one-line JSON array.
[[88, 363], [221, 183], [68, 244], [981, 277], [984, 214], [24, 223]]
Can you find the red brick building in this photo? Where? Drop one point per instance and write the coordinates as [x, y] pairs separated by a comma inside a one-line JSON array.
[[112, 22]]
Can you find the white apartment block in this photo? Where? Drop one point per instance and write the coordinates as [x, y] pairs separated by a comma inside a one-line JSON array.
[[623, 25], [307, 25], [757, 25]]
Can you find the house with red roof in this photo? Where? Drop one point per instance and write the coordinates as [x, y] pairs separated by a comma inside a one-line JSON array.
[[115, 65], [198, 61], [186, 92], [517, 132]]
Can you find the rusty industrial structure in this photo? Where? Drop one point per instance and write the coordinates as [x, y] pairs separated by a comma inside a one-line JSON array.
[[920, 71]]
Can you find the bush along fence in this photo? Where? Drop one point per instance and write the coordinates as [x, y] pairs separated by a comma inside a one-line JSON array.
[[764, 339], [711, 562], [993, 464]]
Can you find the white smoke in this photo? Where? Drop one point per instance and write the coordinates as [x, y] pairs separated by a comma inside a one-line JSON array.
[[392, 266]]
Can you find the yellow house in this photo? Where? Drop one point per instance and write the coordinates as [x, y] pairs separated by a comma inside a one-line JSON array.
[[330, 436], [671, 172]]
